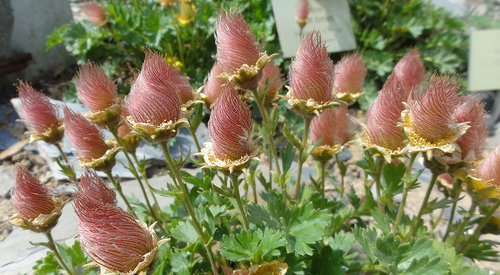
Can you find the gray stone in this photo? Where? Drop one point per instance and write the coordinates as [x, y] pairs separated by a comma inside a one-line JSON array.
[[7, 179], [6, 23]]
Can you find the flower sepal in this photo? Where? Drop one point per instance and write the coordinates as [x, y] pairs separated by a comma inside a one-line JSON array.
[[109, 117], [42, 223], [106, 161], [227, 166], [157, 134], [52, 135], [349, 98], [247, 77], [388, 154], [309, 107]]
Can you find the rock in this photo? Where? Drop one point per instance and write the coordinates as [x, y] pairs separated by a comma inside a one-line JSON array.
[[7, 179]]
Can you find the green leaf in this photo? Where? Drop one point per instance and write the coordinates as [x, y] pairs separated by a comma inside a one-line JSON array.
[[294, 140], [287, 157], [185, 232]]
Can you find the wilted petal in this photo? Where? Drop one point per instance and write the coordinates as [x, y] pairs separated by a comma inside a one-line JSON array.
[[350, 73], [472, 142]]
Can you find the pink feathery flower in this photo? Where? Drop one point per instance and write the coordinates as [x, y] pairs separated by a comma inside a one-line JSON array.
[[350, 73], [230, 126], [333, 126], [272, 74], [92, 186], [472, 142], [489, 168], [410, 70], [214, 83], [384, 115], [87, 139], [30, 197], [432, 107], [111, 236], [36, 108], [303, 10], [95, 89], [311, 72], [182, 83], [95, 13], [153, 98], [236, 45], [124, 128]]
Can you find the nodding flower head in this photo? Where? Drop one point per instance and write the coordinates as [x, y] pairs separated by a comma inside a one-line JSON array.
[[487, 174], [153, 101], [214, 84], [410, 70], [95, 13], [384, 118], [97, 91], [311, 75], [302, 13], [472, 142], [92, 186], [350, 73], [332, 127], [88, 142], [113, 238], [230, 127], [238, 52], [428, 119], [185, 91], [37, 110], [271, 74], [37, 208]]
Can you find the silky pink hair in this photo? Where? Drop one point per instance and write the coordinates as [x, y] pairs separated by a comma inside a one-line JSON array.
[[350, 73], [30, 197], [36, 108], [95, 13], [86, 137], [109, 235], [432, 107], [236, 45], [489, 168], [213, 83], [91, 185], [410, 70], [153, 98], [333, 126], [311, 72], [230, 126], [272, 74], [474, 139], [95, 89], [303, 9]]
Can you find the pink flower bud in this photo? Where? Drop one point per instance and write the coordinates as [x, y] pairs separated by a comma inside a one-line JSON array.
[[489, 168], [92, 186], [473, 141], [95, 13], [36, 108], [87, 139], [303, 9], [112, 237], [236, 45], [153, 98], [384, 115], [213, 83], [410, 70], [432, 108], [311, 72], [95, 89], [272, 74], [230, 126], [30, 197], [333, 126], [350, 73]]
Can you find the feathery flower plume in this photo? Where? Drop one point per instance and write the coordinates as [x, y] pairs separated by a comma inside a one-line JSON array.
[[94, 13], [37, 110], [428, 118], [332, 125], [113, 238], [230, 128], [88, 142], [92, 186], [472, 142], [350, 73], [37, 208], [271, 74], [238, 52], [410, 70], [311, 76], [213, 84], [98, 92], [384, 116], [153, 101], [302, 13]]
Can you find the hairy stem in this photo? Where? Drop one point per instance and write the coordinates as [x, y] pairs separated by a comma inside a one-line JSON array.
[[237, 196]]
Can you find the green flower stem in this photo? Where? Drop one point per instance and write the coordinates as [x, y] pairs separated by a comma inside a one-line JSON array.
[[120, 192], [189, 207], [477, 231], [178, 33], [424, 204], [193, 134], [237, 196], [307, 124], [406, 189], [252, 183], [342, 177], [376, 172], [52, 246], [455, 192], [65, 158], [464, 223], [323, 172]]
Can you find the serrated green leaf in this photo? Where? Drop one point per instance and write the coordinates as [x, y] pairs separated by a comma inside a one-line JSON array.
[[287, 157], [185, 232]]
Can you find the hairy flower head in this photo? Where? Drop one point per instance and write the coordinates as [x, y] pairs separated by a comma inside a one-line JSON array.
[[94, 13], [350, 73], [92, 186], [271, 74], [213, 84], [410, 70], [472, 142]]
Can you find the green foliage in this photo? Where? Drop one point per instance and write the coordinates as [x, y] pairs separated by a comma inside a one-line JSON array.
[[72, 256]]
